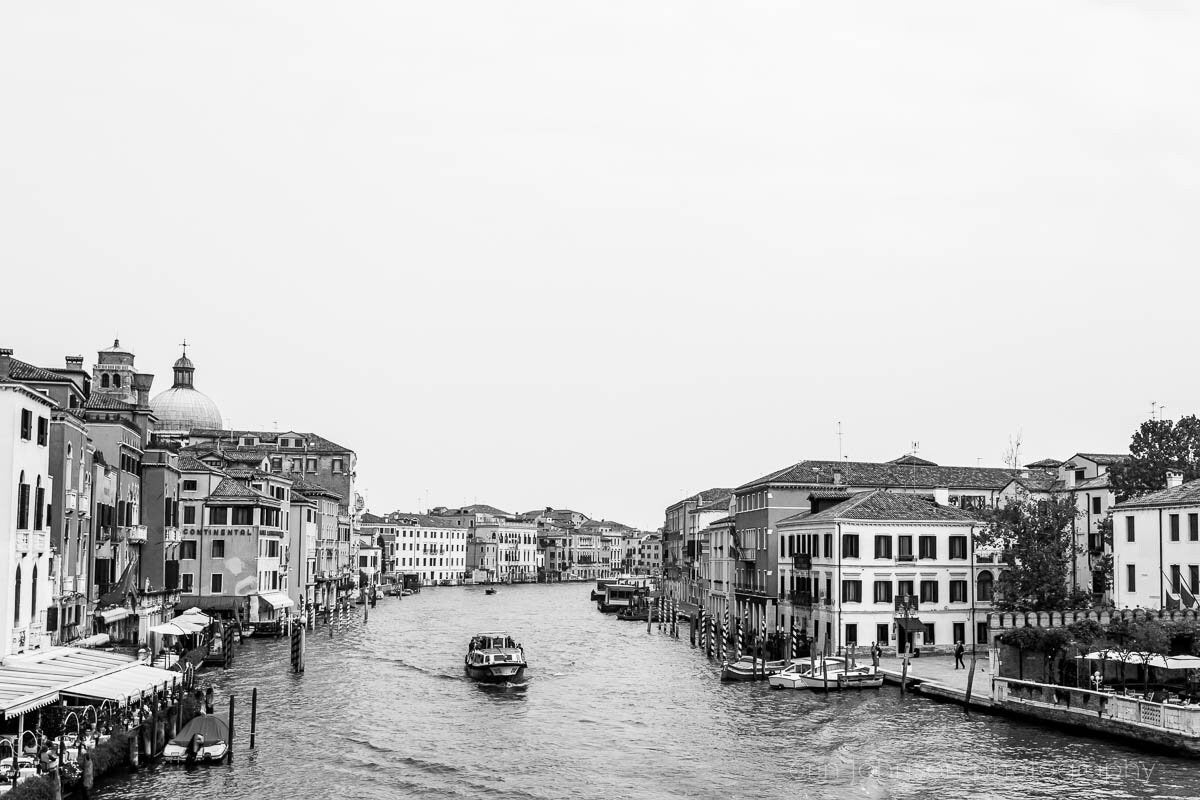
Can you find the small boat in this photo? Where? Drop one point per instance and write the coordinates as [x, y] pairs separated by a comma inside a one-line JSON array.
[[790, 676], [748, 669], [206, 738], [489, 590], [836, 677], [639, 613], [618, 596], [598, 592], [495, 658]]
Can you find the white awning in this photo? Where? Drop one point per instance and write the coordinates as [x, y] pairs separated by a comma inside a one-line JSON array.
[[32, 680], [1153, 660], [171, 629], [115, 615], [276, 599], [125, 684]]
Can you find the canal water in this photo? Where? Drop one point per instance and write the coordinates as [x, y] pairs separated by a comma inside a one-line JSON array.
[[384, 711]]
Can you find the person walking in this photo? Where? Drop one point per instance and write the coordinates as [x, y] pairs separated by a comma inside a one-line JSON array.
[[87, 773], [208, 701], [958, 655], [876, 652]]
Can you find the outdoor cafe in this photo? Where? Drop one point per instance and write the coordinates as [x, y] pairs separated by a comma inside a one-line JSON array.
[[1155, 677]]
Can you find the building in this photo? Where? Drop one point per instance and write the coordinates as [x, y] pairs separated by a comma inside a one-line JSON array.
[[184, 408], [762, 576], [892, 568], [434, 548], [1156, 547], [25, 491], [649, 555], [684, 520], [504, 549]]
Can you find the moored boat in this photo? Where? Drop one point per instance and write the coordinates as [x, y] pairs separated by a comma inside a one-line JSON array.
[[790, 676], [618, 596], [749, 669], [204, 740], [835, 677], [489, 590], [495, 658]]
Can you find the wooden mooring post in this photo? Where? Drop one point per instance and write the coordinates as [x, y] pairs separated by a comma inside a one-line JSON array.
[[231, 699], [970, 685], [253, 714]]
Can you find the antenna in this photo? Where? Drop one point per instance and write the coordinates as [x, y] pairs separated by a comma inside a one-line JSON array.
[[916, 446], [1153, 410], [839, 435]]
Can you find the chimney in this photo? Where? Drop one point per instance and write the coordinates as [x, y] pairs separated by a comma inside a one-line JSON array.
[[941, 495], [75, 363], [5, 363], [141, 384], [1174, 478], [837, 476]]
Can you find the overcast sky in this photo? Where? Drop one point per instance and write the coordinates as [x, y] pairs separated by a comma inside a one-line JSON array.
[[606, 254]]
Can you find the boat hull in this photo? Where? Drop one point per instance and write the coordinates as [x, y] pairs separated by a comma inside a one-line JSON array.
[[838, 682], [496, 673], [744, 670], [213, 754]]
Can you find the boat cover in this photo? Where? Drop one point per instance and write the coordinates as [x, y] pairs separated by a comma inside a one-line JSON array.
[[213, 728]]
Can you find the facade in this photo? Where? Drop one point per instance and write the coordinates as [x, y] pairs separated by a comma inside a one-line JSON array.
[[505, 549], [434, 548], [649, 555], [25, 491], [301, 560], [885, 567], [1156, 547], [684, 520]]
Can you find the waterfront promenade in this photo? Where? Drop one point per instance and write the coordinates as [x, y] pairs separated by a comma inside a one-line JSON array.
[[935, 676]]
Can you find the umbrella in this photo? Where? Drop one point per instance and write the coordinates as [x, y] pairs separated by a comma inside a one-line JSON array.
[[170, 629]]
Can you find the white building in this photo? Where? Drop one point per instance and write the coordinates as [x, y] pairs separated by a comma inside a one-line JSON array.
[[869, 551], [1156, 547], [514, 545], [431, 547], [26, 590]]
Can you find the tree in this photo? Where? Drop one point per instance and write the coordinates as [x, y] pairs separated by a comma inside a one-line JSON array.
[[1038, 546], [1140, 638], [1156, 446]]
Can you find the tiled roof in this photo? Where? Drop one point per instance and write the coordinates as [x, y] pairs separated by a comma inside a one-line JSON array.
[[1105, 459], [314, 443], [864, 474], [189, 463], [481, 508], [20, 371], [403, 519], [314, 489], [105, 402], [890, 506], [912, 461], [1098, 482], [708, 496], [229, 489], [1045, 463], [1039, 483], [1187, 494]]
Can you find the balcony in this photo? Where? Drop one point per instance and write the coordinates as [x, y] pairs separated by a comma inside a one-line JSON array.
[[171, 535], [801, 599], [136, 534], [801, 561], [23, 541], [70, 501], [84, 505], [906, 557]]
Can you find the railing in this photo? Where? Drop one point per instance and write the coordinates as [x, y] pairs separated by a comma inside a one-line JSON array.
[[802, 561], [39, 541], [171, 535], [70, 501], [85, 504], [1174, 718], [801, 598], [23, 541], [905, 557], [137, 534], [120, 533]]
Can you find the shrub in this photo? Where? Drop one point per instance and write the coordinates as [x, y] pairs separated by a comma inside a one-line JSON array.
[[38, 788]]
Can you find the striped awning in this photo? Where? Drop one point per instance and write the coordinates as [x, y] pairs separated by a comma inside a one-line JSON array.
[[124, 684], [32, 680]]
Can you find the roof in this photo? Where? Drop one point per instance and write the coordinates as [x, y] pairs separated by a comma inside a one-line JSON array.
[[313, 442], [708, 496], [191, 464], [1104, 459], [1045, 463], [1039, 483], [32, 680], [883, 505], [865, 474], [912, 461], [21, 371], [312, 489], [236, 490], [124, 684], [106, 402], [402, 519], [481, 508], [1187, 494]]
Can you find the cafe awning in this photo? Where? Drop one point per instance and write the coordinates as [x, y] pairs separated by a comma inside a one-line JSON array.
[[125, 684], [276, 599], [910, 625], [1153, 660], [114, 615], [30, 681]]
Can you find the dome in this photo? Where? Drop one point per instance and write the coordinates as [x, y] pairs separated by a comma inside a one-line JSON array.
[[184, 363], [185, 409]]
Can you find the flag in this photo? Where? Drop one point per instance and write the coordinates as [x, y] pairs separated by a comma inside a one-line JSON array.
[[1186, 596]]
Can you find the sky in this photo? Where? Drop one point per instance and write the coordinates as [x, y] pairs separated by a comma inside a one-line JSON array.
[[604, 255]]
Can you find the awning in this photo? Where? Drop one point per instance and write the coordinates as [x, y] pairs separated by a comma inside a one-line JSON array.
[[196, 614], [276, 599], [171, 629], [115, 615], [910, 625], [1154, 659], [125, 684], [32, 680]]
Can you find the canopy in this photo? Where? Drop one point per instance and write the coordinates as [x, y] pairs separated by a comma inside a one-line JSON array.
[[32, 680], [124, 684], [171, 629], [115, 615], [1154, 659], [910, 624], [276, 599], [211, 727], [195, 615]]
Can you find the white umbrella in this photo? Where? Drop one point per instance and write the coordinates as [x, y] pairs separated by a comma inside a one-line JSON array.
[[170, 629]]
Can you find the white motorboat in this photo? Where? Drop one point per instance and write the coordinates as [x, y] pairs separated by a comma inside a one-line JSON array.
[[830, 677], [792, 676]]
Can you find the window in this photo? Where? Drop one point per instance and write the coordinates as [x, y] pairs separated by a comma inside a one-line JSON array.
[[958, 547], [17, 598], [929, 591], [33, 594], [187, 550], [189, 486], [242, 515], [929, 633], [851, 634], [1194, 578], [851, 591], [218, 548], [187, 582], [218, 515], [883, 546], [116, 380], [850, 545], [1174, 527], [215, 583], [1175, 578], [905, 552], [981, 632], [22, 503], [39, 506], [960, 632], [276, 464], [883, 634], [1129, 529], [904, 588], [189, 515], [1130, 576], [1096, 505], [336, 464], [104, 381], [311, 465], [828, 545], [883, 591], [958, 591], [1193, 527], [1080, 475], [928, 546], [249, 441], [43, 430]]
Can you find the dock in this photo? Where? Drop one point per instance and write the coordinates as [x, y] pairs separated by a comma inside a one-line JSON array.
[[936, 677]]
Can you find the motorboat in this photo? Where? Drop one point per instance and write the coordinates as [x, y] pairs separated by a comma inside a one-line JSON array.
[[790, 676], [489, 590], [618, 596], [835, 677], [495, 658], [204, 738], [747, 668], [601, 585], [640, 612]]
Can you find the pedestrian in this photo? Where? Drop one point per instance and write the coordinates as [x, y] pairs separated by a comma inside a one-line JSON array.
[[87, 773], [208, 701], [958, 655], [876, 653]]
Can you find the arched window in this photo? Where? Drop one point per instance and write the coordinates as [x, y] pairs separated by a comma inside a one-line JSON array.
[[985, 587], [116, 380], [22, 503], [39, 505], [17, 599], [33, 595], [104, 381]]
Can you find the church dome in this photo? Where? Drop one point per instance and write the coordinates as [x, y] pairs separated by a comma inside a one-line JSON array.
[[183, 407]]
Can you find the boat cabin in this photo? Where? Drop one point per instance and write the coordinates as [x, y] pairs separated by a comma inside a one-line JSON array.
[[493, 641]]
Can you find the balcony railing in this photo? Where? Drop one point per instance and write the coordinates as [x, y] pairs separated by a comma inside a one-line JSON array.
[[23, 541], [171, 535], [801, 598], [70, 501], [85, 504], [137, 534]]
